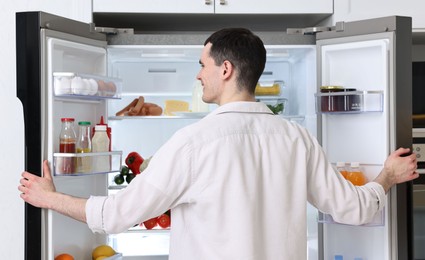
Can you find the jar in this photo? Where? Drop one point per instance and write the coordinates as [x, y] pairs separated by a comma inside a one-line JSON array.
[[331, 103], [67, 141], [352, 102]]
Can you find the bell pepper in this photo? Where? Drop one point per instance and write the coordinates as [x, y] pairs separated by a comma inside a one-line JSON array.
[[133, 162]]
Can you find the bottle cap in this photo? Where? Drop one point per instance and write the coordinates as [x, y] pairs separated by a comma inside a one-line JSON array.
[[67, 119], [338, 257], [84, 123], [100, 128]]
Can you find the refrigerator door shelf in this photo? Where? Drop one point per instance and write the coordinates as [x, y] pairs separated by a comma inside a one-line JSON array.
[[350, 102], [78, 164], [70, 84], [378, 220]]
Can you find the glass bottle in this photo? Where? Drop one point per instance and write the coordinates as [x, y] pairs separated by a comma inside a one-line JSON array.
[[84, 146], [100, 143], [198, 105], [356, 175], [340, 166], [67, 141]]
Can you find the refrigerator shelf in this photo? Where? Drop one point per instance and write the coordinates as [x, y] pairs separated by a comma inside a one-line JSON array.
[[347, 102], [77, 85], [378, 220], [79, 164]]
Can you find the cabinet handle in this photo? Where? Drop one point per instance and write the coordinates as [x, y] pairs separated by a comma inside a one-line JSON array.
[[208, 2], [222, 2]]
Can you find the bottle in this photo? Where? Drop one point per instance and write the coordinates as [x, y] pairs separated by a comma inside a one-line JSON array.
[[84, 146], [340, 166], [67, 140], [108, 131], [356, 175], [198, 105], [100, 143]]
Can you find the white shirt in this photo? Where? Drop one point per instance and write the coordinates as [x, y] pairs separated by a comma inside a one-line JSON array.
[[237, 183]]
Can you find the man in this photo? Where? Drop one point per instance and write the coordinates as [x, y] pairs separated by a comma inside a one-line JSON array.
[[237, 181]]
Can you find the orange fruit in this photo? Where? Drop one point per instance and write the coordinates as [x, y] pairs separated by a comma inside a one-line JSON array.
[[64, 257]]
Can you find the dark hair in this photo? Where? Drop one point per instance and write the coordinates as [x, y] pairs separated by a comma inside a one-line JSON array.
[[244, 50]]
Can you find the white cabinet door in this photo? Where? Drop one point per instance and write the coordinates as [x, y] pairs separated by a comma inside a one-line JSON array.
[[153, 6], [274, 6], [221, 6], [349, 10]]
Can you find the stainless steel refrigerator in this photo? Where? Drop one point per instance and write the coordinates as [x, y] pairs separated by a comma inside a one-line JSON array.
[[372, 56]]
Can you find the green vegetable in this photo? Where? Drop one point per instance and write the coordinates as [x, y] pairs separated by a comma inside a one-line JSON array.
[[119, 179], [124, 170], [276, 109]]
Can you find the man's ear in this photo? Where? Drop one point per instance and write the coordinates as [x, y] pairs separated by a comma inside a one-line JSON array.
[[227, 69]]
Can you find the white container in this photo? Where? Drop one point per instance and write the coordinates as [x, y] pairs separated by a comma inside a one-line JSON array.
[[100, 143]]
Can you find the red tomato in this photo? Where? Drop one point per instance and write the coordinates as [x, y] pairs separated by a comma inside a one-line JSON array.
[[164, 221], [150, 223]]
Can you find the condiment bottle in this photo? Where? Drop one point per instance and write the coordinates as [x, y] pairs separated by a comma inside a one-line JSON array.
[[108, 131], [67, 140], [340, 166], [356, 175], [84, 146], [198, 105], [100, 143]]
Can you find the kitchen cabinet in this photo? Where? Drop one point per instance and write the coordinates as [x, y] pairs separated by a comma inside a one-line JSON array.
[[348, 10], [214, 6]]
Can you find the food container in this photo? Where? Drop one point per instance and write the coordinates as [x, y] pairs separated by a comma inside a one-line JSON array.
[[332, 103], [268, 88]]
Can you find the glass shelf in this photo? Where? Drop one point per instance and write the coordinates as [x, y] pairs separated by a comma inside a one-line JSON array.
[[349, 102], [78, 164], [86, 86], [378, 220]]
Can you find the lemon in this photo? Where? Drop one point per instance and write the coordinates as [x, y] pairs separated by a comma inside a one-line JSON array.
[[102, 250], [102, 257]]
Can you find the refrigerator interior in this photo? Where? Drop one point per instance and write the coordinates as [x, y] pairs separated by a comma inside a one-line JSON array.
[[62, 234], [164, 72], [362, 137]]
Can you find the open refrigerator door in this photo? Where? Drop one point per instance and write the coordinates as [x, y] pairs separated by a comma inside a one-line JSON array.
[[362, 122]]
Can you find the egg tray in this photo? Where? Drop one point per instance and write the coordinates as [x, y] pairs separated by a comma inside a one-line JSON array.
[[85, 85]]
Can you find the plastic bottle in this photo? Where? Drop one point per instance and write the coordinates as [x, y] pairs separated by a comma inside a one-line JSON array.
[[84, 146], [100, 143], [340, 166], [356, 175], [67, 140], [108, 131], [198, 105]]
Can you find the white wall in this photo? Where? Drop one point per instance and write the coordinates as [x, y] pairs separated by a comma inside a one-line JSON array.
[[11, 133]]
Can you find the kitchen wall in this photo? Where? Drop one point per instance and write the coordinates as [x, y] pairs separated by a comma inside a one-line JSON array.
[[11, 133]]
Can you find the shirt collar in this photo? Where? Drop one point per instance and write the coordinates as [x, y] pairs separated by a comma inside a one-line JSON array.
[[242, 107]]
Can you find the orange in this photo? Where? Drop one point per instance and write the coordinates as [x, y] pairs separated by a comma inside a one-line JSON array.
[[64, 257]]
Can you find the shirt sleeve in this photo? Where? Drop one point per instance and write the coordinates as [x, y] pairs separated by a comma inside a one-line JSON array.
[[94, 212]]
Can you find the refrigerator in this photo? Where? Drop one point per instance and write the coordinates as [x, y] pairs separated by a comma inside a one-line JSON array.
[[371, 56]]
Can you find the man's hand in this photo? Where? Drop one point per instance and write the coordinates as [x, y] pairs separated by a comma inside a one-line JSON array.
[[398, 169], [37, 190]]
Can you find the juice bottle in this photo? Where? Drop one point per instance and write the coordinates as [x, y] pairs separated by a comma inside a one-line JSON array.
[[340, 166], [67, 140], [356, 175], [84, 146]]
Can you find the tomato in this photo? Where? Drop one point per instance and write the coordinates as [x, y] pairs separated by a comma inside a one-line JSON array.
[[164, 221], [150, 223]]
